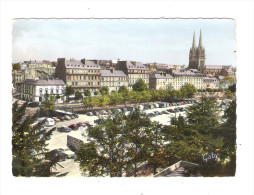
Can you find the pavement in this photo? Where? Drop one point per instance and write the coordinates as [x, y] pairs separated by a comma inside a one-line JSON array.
[[59, 139]]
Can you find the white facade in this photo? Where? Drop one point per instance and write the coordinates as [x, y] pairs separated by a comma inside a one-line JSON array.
[[35, 91]]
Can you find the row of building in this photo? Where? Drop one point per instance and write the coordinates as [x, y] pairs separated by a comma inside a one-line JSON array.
[[92, 75], [87, 75]]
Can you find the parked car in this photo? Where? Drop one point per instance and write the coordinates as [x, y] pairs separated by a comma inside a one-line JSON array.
[[56, 155], [74, 126], [81, 124], [95, 113], [156, 113], [66, 117], [64, 129], [72, 117], [49, 122], [75, 115], [89, 114]]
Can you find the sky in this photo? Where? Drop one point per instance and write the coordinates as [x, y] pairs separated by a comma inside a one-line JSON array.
[[145, 40]]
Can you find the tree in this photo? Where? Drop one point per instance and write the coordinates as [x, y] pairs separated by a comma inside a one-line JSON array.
[[69, 90], [188, 90], [28, 141], [78, 95], [104, 91], [232, 88], [87, 93], [103, 100], [163, 94], [96, 93], [90, 101], [140, 85], [230, 115], [48, 104], [16, 66], [228, 94], [105, 154], [123, 89], [204, 115], [115, 98]]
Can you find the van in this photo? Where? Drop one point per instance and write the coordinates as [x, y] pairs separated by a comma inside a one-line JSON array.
[[49, 122]]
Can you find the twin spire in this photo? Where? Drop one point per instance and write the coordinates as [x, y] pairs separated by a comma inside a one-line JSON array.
[[194, 40]]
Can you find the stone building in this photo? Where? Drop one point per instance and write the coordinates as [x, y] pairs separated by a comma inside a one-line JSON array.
[[210, 83], [184, 76], [113, 79], [80, 74], [216, 70], [197, 55], [39, 69], [134, 71], [17, 78], [34, 90], [160, 80]]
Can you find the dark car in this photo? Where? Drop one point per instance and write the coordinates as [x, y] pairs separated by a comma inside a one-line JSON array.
[[56, 155], [74, 126], [64, 129], [75, 115]]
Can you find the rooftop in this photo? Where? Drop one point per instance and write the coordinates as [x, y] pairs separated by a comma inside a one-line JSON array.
[[187, 72], [77, 64], [113, 73], [44, 82], [160, 76]]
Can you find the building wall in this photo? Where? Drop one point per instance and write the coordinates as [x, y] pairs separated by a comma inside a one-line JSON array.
[[114, 83], [133, 78], [35, 93], [182, 80], [41, 71]]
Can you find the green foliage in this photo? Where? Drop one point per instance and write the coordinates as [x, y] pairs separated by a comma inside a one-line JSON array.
[[104, 91], [90, 101], [228, 94], [188, 90], [69, 91], [115, 98], [204, 115], [87, 93], [48, 104], [232, 88], [140, 85], [28, 141], [230, 115], [123, 89], [58, 96], [16, 66], [96, 93], [78, 95], [103, 100]]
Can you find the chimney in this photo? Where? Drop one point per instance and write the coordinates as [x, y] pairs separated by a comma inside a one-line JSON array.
[[83, 61]]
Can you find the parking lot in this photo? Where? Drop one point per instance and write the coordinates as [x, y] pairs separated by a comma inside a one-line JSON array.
[[59, 139]]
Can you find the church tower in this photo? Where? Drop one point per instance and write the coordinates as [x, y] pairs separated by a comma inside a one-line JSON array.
[[197, 55]]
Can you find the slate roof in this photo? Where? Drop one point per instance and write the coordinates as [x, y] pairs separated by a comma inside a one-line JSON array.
[[210, 79], [187, 72], [160, 76], [77, 64], [44, 82], [135, 66], [114, 73], [218, 66]]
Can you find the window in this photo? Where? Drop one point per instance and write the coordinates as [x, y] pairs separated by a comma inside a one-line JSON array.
[[52, 90]]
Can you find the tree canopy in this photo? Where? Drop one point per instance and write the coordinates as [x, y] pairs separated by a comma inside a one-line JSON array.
[[28, 141], [140, 85]]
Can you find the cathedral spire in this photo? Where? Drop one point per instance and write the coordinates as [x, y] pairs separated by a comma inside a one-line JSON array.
[[200, 39], [194, 41]]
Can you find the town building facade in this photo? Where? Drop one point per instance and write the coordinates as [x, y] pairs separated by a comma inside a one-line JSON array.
[[135, 71], [39, 69], [34, 90], [113, 79], [160, 81], [80, 74], [17, 78], [211, 83], [184, 76]]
